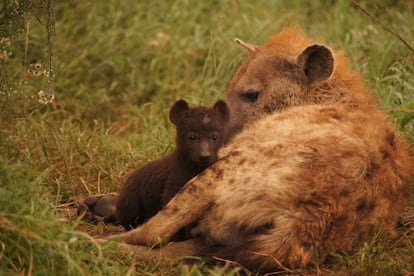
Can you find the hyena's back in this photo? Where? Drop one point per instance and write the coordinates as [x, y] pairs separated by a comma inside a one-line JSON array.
[[318, 180]]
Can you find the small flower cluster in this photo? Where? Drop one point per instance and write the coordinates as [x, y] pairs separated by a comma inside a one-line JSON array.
[[36, 70], [5, 43], [45, 98]]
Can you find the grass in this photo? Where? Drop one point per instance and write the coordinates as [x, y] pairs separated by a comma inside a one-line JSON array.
[[118, 66]]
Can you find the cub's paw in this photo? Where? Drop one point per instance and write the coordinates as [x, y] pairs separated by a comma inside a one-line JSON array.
[[86, 213], [98, 207]]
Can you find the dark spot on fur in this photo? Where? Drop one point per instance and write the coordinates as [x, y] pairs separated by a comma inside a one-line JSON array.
[[344, 193], [252, 162], [241, 162], [385, 154], [336, 225], [218, 172], [372, 169], [307, 245], [364, 207], [336, 116], [192, 189], [234, 153], [172, 210], [259, 198], [390, 139], [271, 152], [225, 160], [268, 109]]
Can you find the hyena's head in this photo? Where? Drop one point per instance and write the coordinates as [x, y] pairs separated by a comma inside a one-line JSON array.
[[200, 131], [280, 74]]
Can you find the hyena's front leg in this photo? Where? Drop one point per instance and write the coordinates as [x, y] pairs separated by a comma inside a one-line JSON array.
[[185, 207]]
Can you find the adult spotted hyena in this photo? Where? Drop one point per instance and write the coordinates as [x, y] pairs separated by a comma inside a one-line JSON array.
[[315, 166]]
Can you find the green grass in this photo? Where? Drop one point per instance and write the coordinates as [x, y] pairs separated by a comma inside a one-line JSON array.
[[119, 65]]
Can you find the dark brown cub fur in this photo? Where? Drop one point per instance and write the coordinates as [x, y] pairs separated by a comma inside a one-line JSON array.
[[200, 132]]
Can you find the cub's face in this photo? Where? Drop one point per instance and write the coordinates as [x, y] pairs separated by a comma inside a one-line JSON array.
[[200, 132], [267, 82], [199, 142]]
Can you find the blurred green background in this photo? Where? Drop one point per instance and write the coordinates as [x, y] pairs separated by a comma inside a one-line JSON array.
[[117, 68]]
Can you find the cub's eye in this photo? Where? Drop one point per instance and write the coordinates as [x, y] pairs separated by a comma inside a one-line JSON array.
[[251, 96], [214, 137], [192, 136]]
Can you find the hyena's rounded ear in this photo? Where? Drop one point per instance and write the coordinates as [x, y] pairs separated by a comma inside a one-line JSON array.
[[317, 63], [248, 46], [177, 110], [222, 109]]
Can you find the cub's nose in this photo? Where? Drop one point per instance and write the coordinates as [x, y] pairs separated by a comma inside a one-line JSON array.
[[205, 157]]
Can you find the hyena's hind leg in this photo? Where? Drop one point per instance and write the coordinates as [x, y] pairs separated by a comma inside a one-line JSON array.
[[270, 251], [297, 239], [188, 205]]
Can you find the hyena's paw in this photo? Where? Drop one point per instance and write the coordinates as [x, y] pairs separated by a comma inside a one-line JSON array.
[[141, 236]]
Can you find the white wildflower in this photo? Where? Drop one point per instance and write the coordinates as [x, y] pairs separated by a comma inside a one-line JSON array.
[[45, 98]]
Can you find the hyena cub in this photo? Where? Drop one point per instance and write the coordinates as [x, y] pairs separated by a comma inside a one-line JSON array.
[[314, 165], [200, 132]]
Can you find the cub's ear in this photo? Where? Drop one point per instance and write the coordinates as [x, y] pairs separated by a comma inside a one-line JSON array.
[[224, 112], [177, 110], [317, 63]]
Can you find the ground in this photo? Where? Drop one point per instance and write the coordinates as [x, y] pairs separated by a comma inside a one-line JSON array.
[[402, 246]]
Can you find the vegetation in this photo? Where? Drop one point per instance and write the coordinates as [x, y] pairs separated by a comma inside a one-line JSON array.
[[84, 94]]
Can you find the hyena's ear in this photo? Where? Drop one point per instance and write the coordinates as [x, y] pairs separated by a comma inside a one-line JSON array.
[[317, 63], [177, 110], [249, 47], [223, 111]]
